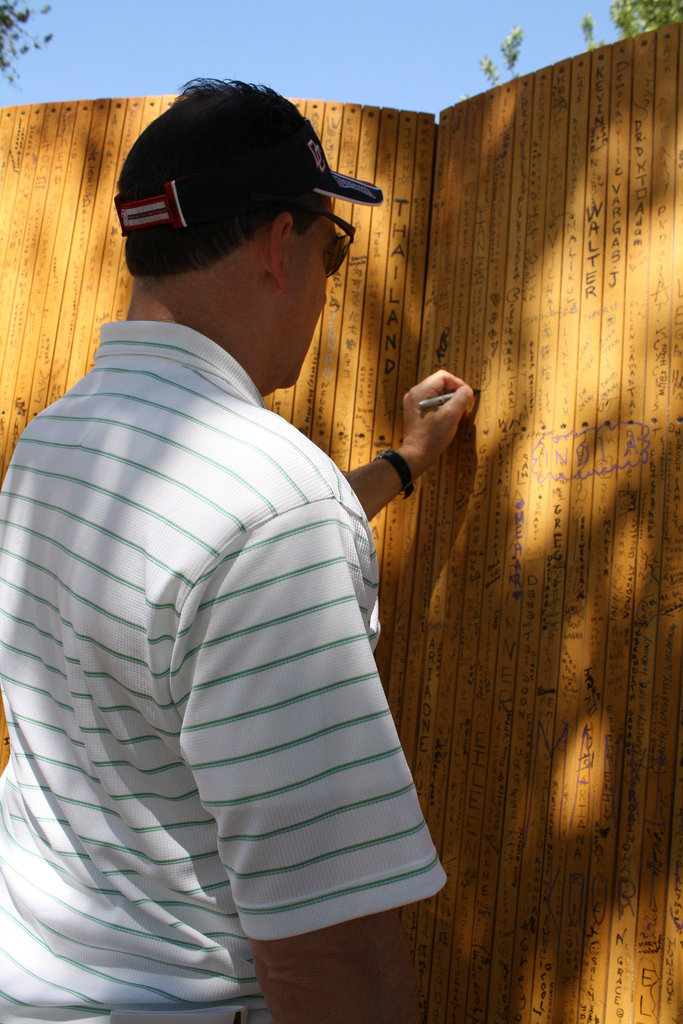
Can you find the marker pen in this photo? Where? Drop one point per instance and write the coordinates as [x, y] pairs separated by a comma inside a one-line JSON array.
[[430, 403]]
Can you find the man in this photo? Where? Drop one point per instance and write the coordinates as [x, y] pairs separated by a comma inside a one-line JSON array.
[[206, 804]]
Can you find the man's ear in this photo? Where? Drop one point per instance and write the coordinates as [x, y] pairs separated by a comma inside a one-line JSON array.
[[276, 241]]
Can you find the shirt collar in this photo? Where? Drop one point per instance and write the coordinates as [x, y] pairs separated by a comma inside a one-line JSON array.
[[179, 343]]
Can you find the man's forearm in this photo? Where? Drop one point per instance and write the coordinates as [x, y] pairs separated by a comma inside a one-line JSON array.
[[360, 971], [376, 484], [427, 433]]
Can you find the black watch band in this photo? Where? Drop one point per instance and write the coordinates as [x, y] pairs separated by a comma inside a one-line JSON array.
[[401, 467]]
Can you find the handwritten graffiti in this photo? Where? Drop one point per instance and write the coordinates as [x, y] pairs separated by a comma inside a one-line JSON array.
[[596, 451], [517, 550]]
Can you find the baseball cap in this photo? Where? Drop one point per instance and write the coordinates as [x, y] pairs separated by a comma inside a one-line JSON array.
[[288, 170]]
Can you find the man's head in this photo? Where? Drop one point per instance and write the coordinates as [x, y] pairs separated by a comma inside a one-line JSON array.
[[224, 160]]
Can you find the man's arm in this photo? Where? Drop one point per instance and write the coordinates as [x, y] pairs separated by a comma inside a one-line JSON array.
[[426, 434], [360, 971]]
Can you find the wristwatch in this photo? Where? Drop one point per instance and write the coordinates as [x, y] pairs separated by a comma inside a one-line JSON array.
[[401, 467]]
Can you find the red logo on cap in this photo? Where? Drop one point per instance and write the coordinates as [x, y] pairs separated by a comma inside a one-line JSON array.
[[317, 155]]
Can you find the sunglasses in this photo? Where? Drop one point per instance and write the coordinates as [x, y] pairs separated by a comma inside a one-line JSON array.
[[334, 256]]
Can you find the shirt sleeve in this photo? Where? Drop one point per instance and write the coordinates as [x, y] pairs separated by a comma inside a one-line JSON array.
[[287, 730]]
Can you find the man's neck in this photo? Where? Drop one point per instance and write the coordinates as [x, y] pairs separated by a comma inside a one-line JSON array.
[[214, 304]]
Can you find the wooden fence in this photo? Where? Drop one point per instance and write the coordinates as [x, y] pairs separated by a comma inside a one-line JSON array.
[[532, 589]]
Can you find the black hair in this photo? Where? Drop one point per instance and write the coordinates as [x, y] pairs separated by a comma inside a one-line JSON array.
[[212, 123]]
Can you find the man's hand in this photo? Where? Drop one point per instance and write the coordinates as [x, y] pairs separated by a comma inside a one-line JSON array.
[[428, 432], [426, 435]]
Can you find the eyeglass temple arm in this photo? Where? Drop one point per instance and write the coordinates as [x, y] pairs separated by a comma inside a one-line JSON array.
[[301, 204]]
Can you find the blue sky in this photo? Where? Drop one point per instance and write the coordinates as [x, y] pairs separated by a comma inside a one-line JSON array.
[[421, 55]]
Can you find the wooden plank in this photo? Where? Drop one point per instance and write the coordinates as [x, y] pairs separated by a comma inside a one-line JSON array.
[[623, 964], [405, 689], [387, 406], [603, 677], [527, 567], [83, 171], [397, 372], [658, 616], [48, 278], [514, 413], [18, 269], [540, 625], [473, 663], [397, 584], [338, 370], [404, 291], [340, 141], [446, 323], [103, 152], [557, 962], [371, 326], [485, 781], [559, 333], [479, 232], [9, 169], [578, 711], [356, 285], [416, 583], [672, 986]]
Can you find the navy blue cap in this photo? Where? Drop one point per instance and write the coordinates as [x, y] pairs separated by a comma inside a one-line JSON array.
[[286, 171]]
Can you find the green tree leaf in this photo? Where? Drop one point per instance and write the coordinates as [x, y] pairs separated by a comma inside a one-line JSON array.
[[15, 37]]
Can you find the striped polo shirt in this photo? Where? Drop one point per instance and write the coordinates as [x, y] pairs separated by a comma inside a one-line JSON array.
[[201, 747]]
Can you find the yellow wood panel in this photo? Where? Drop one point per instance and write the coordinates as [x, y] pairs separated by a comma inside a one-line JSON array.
[[607, 657], [672, 951], [50, 189], [366, 389], [386, 420], [56, 234], [512, 414], [440, 592], [657, 620], [18, 267], [519, 882], [410, 235], [340, 142], [71, 340], [351, 315], [629, 560]]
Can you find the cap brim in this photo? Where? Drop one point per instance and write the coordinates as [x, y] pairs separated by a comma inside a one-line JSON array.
[[352, 190]]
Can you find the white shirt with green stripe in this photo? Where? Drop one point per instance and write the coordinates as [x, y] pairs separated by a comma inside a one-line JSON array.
[[201, 747]]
